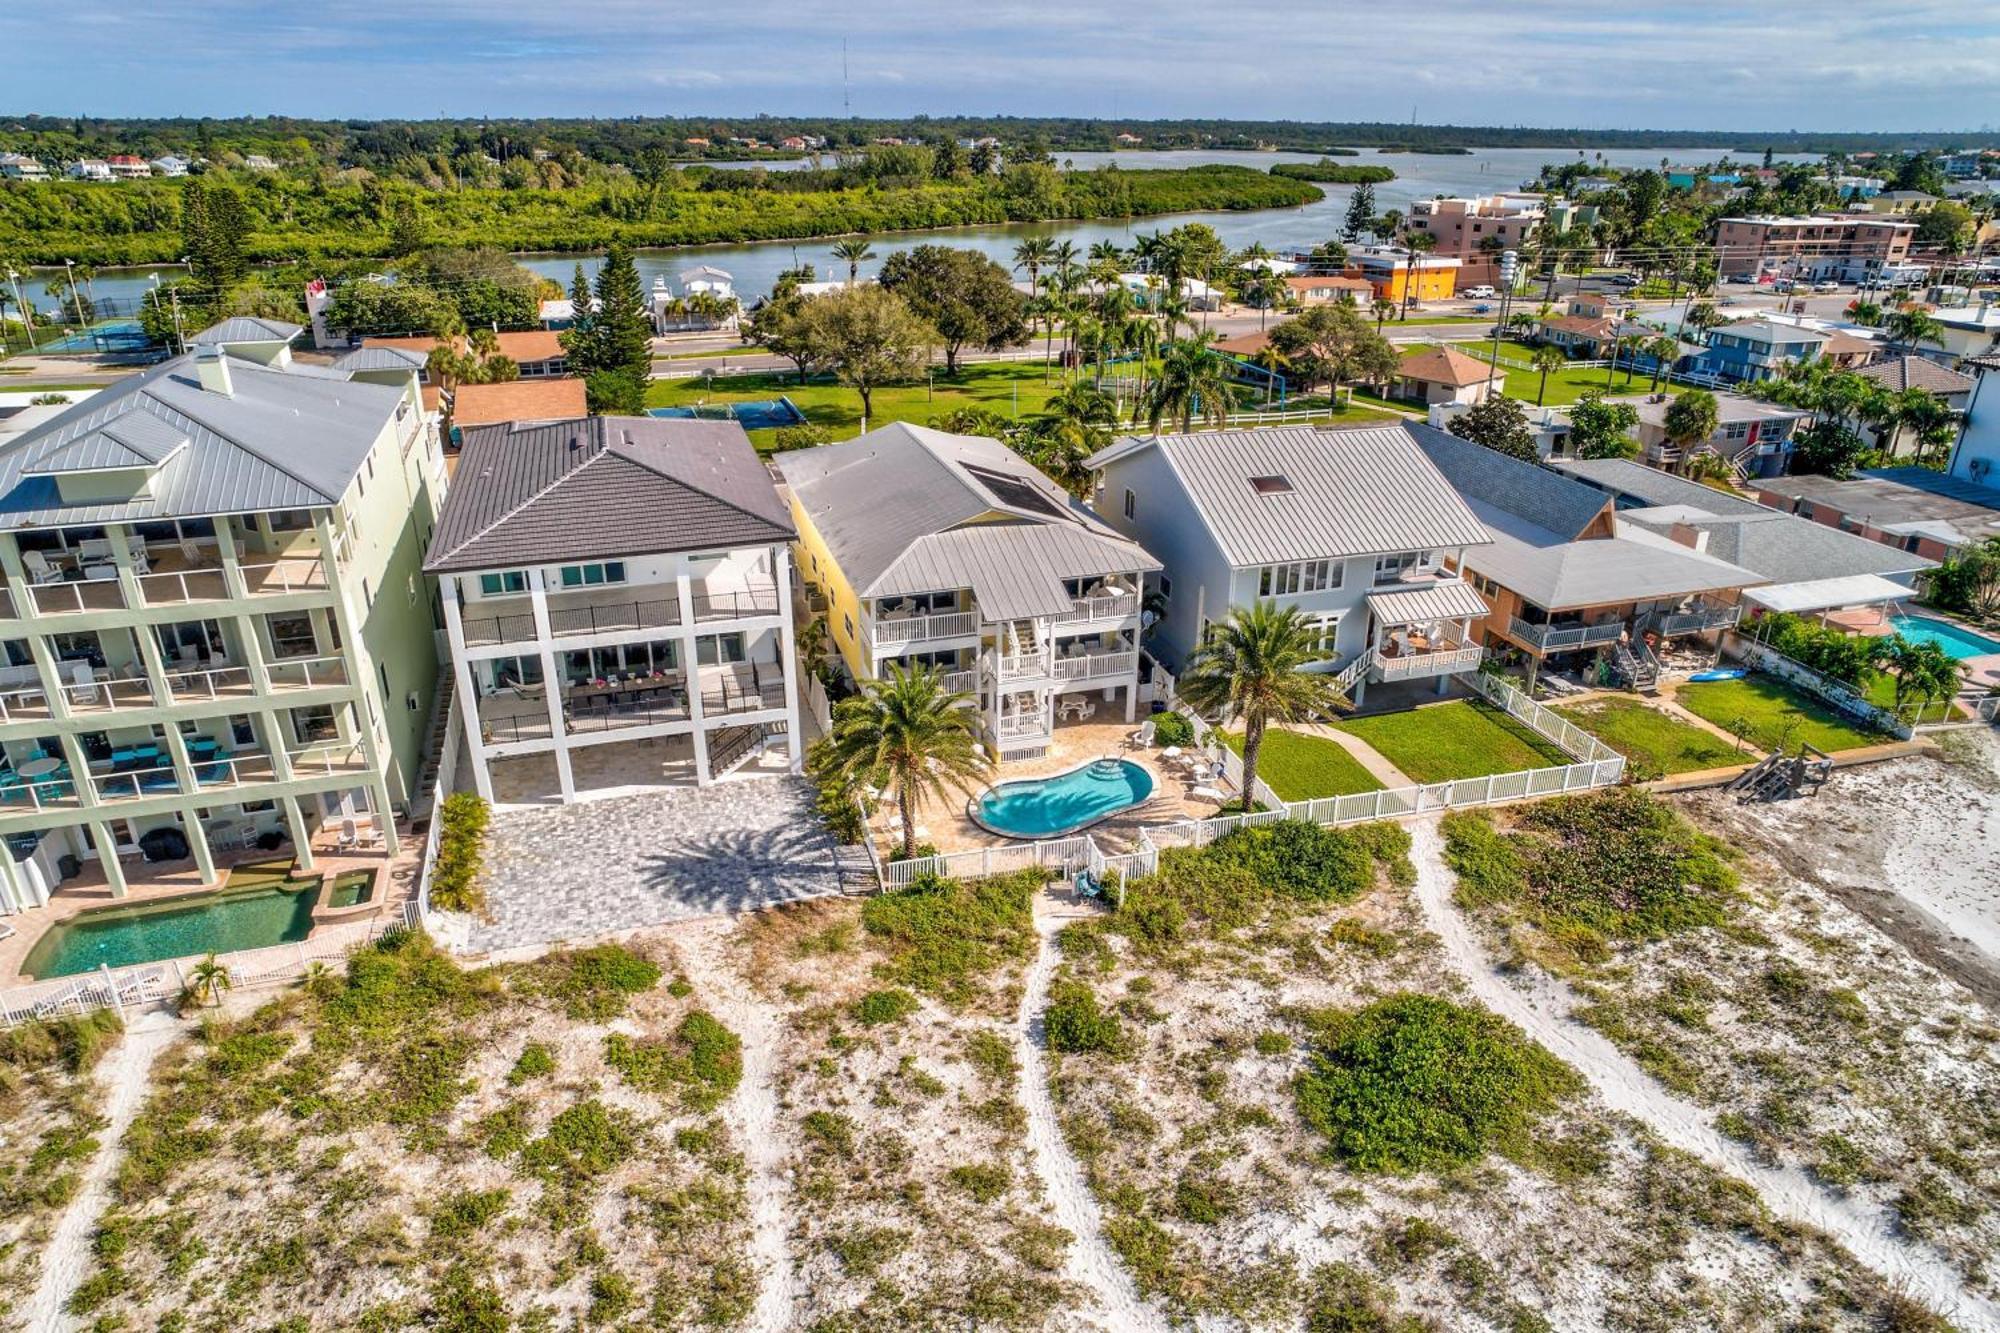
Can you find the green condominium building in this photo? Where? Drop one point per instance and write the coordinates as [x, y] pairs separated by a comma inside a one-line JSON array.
[[217, 630]]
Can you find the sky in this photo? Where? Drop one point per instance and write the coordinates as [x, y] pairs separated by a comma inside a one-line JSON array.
[[1696, 64]]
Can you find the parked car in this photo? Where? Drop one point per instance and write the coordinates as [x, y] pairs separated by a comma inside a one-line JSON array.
[[1624, 280], [1483, 308], [1828, 286], [1480, 292]]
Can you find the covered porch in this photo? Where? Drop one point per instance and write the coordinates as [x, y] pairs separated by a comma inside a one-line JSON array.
[[1421, 634]]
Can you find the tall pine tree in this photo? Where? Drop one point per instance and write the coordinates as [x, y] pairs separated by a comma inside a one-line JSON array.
[[613, 350]]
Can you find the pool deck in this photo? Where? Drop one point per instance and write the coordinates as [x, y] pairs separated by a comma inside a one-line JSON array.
[[395, 880], [947, 827]]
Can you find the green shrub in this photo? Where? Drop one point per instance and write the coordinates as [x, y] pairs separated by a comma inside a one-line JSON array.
[[943, 937], [595, 984], [586, 1141], [1076, 1024], [465, 1211], [74, 1044], [536, 1061], [611, 1296], [703, 1060], [831, 1132], [884, 1006], [1299, 860], [984, 1181], [1172, 729], [461, 853], [1412, 1082], [808, 436], [1616, 862]]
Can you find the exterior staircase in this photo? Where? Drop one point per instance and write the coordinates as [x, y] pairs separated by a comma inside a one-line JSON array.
[[1637, 664], [732, 747], [427, 776]]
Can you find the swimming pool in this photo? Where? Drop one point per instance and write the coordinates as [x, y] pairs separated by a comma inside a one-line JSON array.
[[764, 414], [180, 927], [1063, 804], [1954, 639]]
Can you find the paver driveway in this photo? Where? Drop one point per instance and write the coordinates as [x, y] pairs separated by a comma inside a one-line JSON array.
[[574, 871]]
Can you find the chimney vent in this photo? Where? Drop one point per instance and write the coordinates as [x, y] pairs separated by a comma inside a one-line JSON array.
[[212, 368]]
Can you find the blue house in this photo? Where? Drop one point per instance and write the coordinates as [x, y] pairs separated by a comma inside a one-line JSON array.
[[1756, 349]]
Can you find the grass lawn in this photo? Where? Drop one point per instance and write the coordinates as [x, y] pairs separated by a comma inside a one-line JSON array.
[[1654, 742], [1565, 386], [1466, 738], [1299, 767], [1768, 704]]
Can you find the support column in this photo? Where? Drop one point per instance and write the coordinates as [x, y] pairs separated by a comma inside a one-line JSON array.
[[107, 856], [197, 837], [353, 654], [232, 558], [146, 639], [691, 669], [15, 894], [468, 698], [788, 658], [538, 602], [295, 820], [177, 754]]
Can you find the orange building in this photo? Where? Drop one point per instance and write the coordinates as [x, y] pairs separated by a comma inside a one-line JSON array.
[[1388, 269]]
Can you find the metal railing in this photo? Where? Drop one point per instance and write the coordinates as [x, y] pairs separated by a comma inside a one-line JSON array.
[[485, 631], [961, 682], [1561, 638], [210, 683], [77, 596], [286, 574], [738, 603], [1109, 606], [169, 587], [884, 632], [569, 621], [1022, 666], [1096, 666], [610, 715], [30, 704], [306, 673], [1445, 660], [1708, 615]]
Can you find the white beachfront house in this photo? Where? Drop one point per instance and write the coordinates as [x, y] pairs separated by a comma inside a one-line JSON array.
[[617, 595], [950, 551], [1354, 527]]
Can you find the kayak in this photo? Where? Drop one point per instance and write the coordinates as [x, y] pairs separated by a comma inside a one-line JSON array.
[[1720, 673]]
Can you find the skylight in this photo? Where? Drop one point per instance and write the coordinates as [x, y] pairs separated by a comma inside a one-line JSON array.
[[1277, 485]]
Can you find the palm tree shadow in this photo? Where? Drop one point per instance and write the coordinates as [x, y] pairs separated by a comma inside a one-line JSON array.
[[742, 869]]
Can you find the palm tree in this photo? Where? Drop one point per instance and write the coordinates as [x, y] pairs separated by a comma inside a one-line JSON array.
[[1628, 349], [1664, 351], [1275, 363], [1074, 424], [1546, 359], [1382, 308], [1192, 379], [1106, 252], [1864, 312], [1032, 254], [207, 980], [1251, 667], [909, 733], [853, 252], [1415, 244], [1912, 327], [1142, 339], [1922, 670]]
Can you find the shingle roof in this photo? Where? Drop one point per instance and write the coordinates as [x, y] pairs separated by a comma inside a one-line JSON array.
[[1916, 372], [550, 399], [1781, 547], [1558, 574], [1648, 486], [1547, 499], [282, 439], [907, 509], [604, 488], [519, 346], [246, 329], [1362, 491], [1445, 365]]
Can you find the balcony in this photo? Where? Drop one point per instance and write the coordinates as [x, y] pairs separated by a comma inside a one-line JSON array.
[[1018, 727], [961, 682], [306, 673], [742, 687], [1079, 667], [1545, 639], [168, 576], [210, 684], [743, 601], [1034, 664], [889, 631], [1703, 615], [1443, 657], [1105, 606]]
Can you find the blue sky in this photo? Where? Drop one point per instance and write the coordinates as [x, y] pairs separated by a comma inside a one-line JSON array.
[[1779, 64]]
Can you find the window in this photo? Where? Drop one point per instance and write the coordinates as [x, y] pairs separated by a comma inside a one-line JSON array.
[[413, 590], [721, 648], [313, 725], [1277, 485], [382, 669], [593, 575], [1131, 502], [505, 582], [1736, 430], [242, 730], [1325, 633], [292, 635], [848, 622], [1389, 568], [1306, 576], [1166, 586]]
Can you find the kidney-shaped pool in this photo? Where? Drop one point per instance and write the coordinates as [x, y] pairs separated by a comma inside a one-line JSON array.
[[1055, 806]]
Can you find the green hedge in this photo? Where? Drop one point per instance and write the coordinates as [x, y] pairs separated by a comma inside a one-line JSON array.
[[461, 855]]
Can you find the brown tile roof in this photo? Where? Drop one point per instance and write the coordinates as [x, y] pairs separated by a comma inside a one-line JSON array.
[[1444, 365], [1329, 282], [1582, 324], [1848, 344], [1915, 372], [604, 488], [518, 400], [528, 345], [1244, 344]]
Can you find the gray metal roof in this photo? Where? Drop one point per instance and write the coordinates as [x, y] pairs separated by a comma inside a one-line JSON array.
[[380, 358], [246, 329], [1362, 491], [1556, 573], [1547, 499], [1444, 599], [279, 440], [907, 509], [1636, 484], [598, 488], [1903, 499], [1764, 330]]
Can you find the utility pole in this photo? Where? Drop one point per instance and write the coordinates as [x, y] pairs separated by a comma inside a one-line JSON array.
[[75, 296], [1507, 258], [175, 293]]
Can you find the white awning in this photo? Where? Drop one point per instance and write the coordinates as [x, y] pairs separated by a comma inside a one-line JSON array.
[[1828, 594], [1447, 599]]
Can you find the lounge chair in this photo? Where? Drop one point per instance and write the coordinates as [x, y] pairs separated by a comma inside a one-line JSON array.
[[40, 570], [1143, 737]]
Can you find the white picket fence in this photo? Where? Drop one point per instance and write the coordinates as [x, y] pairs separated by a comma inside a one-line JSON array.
[[1597, 765], [164, 981]]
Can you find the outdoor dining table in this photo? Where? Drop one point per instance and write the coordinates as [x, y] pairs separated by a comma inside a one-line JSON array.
[[40, 768], [203, 745]]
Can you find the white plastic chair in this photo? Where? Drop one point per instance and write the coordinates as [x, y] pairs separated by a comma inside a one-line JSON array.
[[349, 835], [39, 569]]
